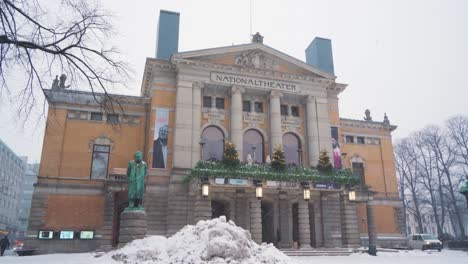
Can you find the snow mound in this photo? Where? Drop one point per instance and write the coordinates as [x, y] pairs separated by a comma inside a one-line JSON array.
[[213, 241]]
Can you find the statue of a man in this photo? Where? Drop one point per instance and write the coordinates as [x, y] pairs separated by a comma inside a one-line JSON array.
[[136, 173]]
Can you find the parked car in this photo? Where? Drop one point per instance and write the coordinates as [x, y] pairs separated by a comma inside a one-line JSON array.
[[424, 241]]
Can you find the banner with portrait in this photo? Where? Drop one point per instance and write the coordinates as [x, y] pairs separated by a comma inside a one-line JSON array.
[[161, 131], [336, 148]]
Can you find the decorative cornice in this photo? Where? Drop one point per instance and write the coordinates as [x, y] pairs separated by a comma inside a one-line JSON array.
[[344, 122], [56, 97]]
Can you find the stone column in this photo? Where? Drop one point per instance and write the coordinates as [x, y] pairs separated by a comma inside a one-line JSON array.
[[371, 230], [236, 119], [285, 222], [183, 125], [196, 121], [304, 224], [312, 132], [349, 223], [256, 220], [275, 120], [202, 209], [323, 124]]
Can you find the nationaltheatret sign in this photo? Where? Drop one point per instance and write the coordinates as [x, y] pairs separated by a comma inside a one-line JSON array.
[[253, 82]]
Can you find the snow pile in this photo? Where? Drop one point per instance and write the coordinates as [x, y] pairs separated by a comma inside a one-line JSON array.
[[208, 242]]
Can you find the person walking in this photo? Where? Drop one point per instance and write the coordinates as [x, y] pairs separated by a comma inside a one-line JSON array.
[[4, 244]]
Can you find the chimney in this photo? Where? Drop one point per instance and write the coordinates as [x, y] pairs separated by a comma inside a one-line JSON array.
[[167, 41], [319, 55]]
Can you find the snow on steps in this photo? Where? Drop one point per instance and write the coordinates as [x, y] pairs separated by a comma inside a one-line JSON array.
[[317, 252]]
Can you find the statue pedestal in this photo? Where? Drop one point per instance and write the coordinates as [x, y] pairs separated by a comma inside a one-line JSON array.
[[132, 226]]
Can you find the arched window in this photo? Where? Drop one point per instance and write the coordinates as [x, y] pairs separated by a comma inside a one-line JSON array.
[[212, 143], [292, 148], [253, 145]]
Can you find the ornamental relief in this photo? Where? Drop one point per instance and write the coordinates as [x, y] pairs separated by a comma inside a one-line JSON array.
[[257, 60], [214, 115], [291, 121]]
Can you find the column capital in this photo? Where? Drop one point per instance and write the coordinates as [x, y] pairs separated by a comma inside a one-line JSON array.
[[237, 89], [276, 94], [310, 99], [198, 85]]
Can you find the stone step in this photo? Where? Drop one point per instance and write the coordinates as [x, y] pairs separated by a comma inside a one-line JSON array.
[[317, 252]]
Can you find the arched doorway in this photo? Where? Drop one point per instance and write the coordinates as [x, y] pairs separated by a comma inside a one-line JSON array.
[[292, 148], [212, 143], [253, 145]]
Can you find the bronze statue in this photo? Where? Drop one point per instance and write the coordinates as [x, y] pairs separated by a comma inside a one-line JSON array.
[[136, 173], [368, 116]]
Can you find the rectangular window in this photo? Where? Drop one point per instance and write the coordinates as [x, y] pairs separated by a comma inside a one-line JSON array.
[[100, 161], [207, 101], [358, 172], [258, 107], [96, 116], [246, 106], [219, 103], [284, 110], [112, 119], [349, 139], [294, 110], [360, 140]]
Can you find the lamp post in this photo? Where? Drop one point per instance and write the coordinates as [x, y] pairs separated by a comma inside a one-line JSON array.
[[306, 190], [205, 187], [258, 189], [202, 143]]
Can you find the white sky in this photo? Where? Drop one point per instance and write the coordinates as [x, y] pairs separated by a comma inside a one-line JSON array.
[[406, 58]]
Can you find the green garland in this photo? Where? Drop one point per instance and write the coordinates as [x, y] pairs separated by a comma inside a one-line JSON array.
[[266, 172]]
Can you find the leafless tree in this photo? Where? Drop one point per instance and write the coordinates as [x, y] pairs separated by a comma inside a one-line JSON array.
[[68, 36], [407, 168]]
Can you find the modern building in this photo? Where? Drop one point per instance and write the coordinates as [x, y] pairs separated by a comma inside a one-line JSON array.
[[12, 169], [30, 178], [190, 104]]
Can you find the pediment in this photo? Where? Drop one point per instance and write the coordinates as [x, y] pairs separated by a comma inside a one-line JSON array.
[[255, 56]]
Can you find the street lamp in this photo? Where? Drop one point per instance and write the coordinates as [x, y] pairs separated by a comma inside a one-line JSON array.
[[205, 187], [258, 189], [306, 191]]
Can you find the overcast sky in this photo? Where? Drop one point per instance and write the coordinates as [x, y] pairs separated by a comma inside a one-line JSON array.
[[406, 58]]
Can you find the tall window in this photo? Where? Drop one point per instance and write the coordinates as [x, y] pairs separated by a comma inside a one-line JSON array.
[[100, 161], [358, 171], [253, 145], [292, 148], [207, 101], [246, 106], [212, 143], [258, 107], [112, 119], [219, 103], [284, 110]]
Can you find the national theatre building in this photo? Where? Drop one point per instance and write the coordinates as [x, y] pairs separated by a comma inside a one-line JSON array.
[[190, 104]]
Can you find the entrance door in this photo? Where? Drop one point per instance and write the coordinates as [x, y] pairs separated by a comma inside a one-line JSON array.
[[295, 222], [268, 224], [120, 203], [219, 208]]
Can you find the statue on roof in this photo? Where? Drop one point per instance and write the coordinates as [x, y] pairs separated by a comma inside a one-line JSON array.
[[62, 85], [368, 116], [55, 83], [257, 38], [385, 119]]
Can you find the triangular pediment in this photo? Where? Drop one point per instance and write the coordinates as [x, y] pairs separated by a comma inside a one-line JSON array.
[[254, 55]]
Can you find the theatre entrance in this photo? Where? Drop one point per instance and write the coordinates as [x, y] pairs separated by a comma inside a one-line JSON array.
[[219, 208], [268, 223]]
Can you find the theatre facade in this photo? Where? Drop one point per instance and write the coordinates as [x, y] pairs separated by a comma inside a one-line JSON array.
[[191, 104]]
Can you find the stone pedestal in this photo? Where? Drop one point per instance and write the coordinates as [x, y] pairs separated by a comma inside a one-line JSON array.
[[132, 226]]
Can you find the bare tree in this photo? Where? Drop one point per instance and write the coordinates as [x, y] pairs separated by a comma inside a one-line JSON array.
[[445, 160], [407, 168], [66, 36]]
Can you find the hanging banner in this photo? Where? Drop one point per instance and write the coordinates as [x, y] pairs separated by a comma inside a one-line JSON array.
[[336, 148], [161, 129]]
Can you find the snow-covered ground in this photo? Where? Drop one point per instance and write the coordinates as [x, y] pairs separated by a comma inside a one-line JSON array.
[[410, 257], [218, 241]]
